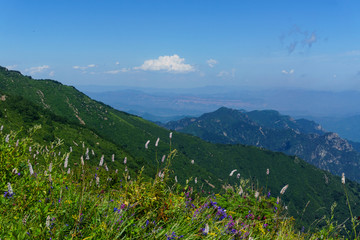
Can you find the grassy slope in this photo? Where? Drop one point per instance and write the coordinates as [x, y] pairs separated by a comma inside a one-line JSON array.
[[212, 162]]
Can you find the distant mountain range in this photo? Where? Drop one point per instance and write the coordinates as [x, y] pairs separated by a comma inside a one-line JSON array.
[[271, 130], [346, 126], [336, 111], [68, 114]]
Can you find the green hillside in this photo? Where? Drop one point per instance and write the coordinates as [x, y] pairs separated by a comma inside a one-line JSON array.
[[68, 114]]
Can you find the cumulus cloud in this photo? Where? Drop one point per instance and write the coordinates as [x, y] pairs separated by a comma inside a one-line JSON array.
[[211, 62], [173, 64], [291, 71], [84, 67], [35, 70], [117, 71]]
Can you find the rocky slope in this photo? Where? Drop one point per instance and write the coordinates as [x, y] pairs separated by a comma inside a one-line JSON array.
[[271, 130]]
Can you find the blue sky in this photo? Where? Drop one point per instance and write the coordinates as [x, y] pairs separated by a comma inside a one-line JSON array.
[[256, 44]]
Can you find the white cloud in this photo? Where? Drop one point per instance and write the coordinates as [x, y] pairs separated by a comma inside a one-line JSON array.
[[312, 39], [84, 67], [167, 63], [211, 62], [52, 73], [117, 63], [35, 70], [11, 67], [222, 74], [117, 71], [226, 74], [288, 72]]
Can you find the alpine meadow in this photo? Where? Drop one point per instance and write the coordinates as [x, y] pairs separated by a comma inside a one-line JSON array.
[[177, 120]]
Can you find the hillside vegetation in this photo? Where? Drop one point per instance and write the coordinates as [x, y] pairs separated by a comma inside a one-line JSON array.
[[67, 114], [270, 130], [47, 197]]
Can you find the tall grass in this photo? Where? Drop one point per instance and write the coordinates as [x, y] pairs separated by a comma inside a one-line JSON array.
[[81, 201]]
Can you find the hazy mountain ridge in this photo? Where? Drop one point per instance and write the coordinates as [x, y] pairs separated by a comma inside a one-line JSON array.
[[212, 162], [270, 130], [175, 102], [346, 126]]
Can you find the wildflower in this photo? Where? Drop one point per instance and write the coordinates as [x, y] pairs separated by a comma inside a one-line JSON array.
[[256, 194], [176, 179], [157, 142], [116, 171], [106, 167], [125, 169], [232, 172], [170, 135], [24, 219], [267, 171], [2, 127], [147, 144], [48, 221], [343, 178], [10, 190], [101, 161], [129, 177], [83, 144], [192, 161], [30, 168], [17, 143], [70, 149], [92, 152], [284, 189], [68, 171], [30, 149], [7, 138], [238, 175], [87, 154], [195, 180], [50, 167], [66, 160], [163, 158], [125, 160], [113, 158], [82, 160], [241, 191], [206, 229], [50, 179], [14, 171], [75, 143], [97, 181]]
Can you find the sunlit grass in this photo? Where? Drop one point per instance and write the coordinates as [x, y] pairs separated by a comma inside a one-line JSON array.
[[94, 202]]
